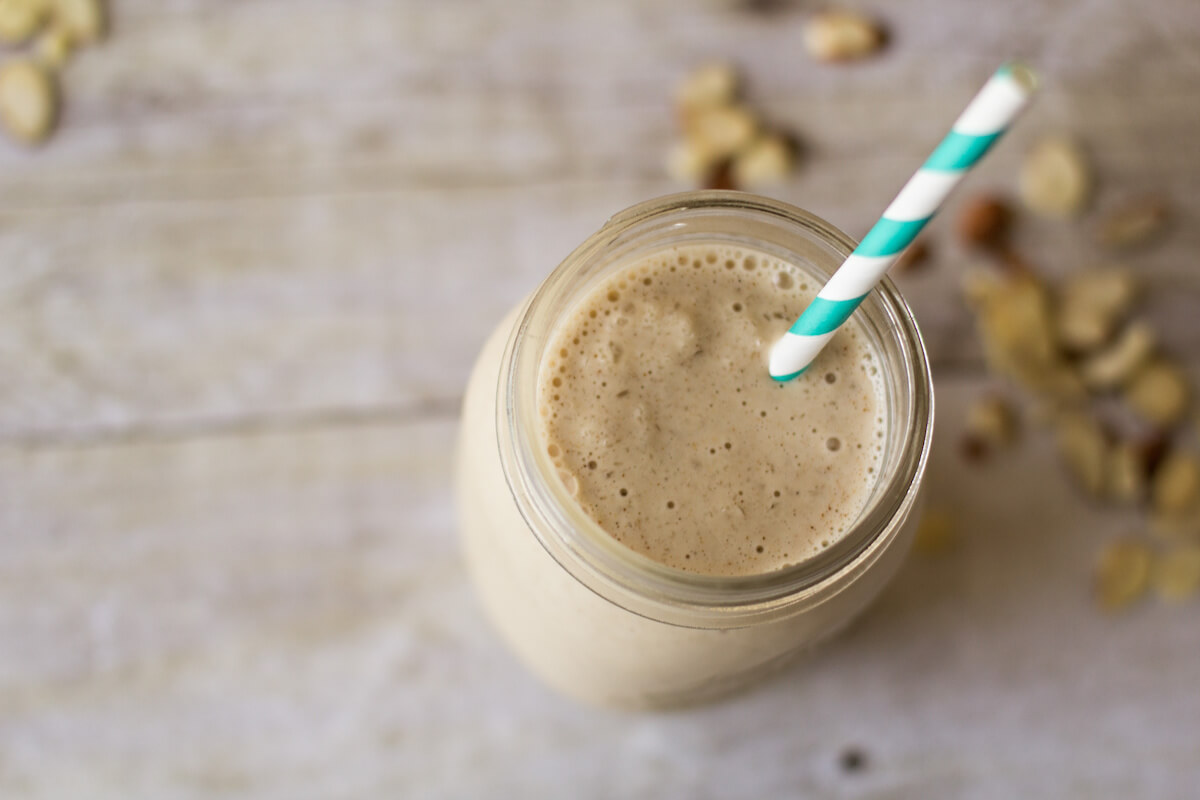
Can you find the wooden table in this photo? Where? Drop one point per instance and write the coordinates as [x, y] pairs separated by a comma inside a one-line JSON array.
[[240, 292]]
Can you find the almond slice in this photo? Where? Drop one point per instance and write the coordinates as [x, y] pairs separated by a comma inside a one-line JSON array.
[[1091, 304], [767, 160], [1084, 450], [1122, 573], [1054, 180], [1117, 363], [707, 86], [20, 19], [1159, 393], [840, 35], [28, 101], [1133, 224]]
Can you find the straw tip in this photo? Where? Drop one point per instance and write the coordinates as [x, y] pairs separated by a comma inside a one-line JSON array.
[[1023, 74]]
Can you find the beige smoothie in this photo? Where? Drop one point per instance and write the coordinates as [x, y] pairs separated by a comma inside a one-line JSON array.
[[650, 520], [667, 429]]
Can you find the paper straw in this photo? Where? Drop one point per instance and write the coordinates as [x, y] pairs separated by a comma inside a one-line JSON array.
[[987, 117]]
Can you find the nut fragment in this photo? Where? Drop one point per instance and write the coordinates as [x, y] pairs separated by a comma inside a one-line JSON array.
[[1084, 450], [1114, 365], [1013, 313], [20, 19], [710, 85], [839, 35], [28, 101], [54, 48], [1159, 393], [1176, 573], [992, 421], [81, 20], [1125, 474], [1122, 574], [721, 131], [1054, 179], [984, 222], [689, 161], [1092, 303], [767, 160], [1176, 487], [1133, 224]]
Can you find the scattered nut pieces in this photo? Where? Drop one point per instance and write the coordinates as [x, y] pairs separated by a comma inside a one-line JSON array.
[[1054, 179], [1159, 393], [1176, 573], [1176, 489], [984, 222], [723, 145], [1122, 574], [767, 160], [840, 35], [1015, 323], [1133, 224], [1092, 303], [935, 533], [83, 21], [28, 101], [20, 19], [1116, 364], [708, 86], [1125, 475], [1084, 450]]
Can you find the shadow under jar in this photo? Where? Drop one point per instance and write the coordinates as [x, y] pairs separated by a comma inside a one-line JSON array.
[[608, 625]]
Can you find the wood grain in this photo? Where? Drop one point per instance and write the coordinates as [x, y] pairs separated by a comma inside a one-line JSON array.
[[240, 292]]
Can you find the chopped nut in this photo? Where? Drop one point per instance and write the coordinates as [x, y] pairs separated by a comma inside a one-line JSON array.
[[935, 533], [915, 256], [984, 222], [1176, 487], [1117, 363], [992, 421], [721, 177], [82, 20], [28, 101], [838, 35], [767, 160], [20, 19], [1092, 303], [1054, 179], [1125, 481], [710, 85], [1122, 574], [1176, 573], [689, 161], [1013, 313], [54, 48], [1133, 224], [1084, 450], [721, 131], [1159, 393]]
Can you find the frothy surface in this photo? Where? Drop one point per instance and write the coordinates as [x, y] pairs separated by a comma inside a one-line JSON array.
[[665, 426]]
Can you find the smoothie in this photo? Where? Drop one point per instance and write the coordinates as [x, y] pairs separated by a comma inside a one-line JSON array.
[[666, 428], [648, 519]]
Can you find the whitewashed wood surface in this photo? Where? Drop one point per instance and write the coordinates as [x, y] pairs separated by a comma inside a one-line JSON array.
[[240, 292]]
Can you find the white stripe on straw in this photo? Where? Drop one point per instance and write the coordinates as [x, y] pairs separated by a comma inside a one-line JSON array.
[[978, 127]]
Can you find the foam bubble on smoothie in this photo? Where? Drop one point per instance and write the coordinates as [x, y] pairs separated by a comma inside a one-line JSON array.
[[663, 422]]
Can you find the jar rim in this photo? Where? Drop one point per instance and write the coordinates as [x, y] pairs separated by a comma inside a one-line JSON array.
[[631, 579]]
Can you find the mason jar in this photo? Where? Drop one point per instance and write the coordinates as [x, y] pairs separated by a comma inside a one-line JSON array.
[[607, 625]]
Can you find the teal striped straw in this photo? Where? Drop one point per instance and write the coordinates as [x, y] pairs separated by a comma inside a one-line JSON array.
[[987, 117]]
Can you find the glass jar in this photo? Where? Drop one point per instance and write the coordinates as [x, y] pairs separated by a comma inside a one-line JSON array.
[[607, 625]]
